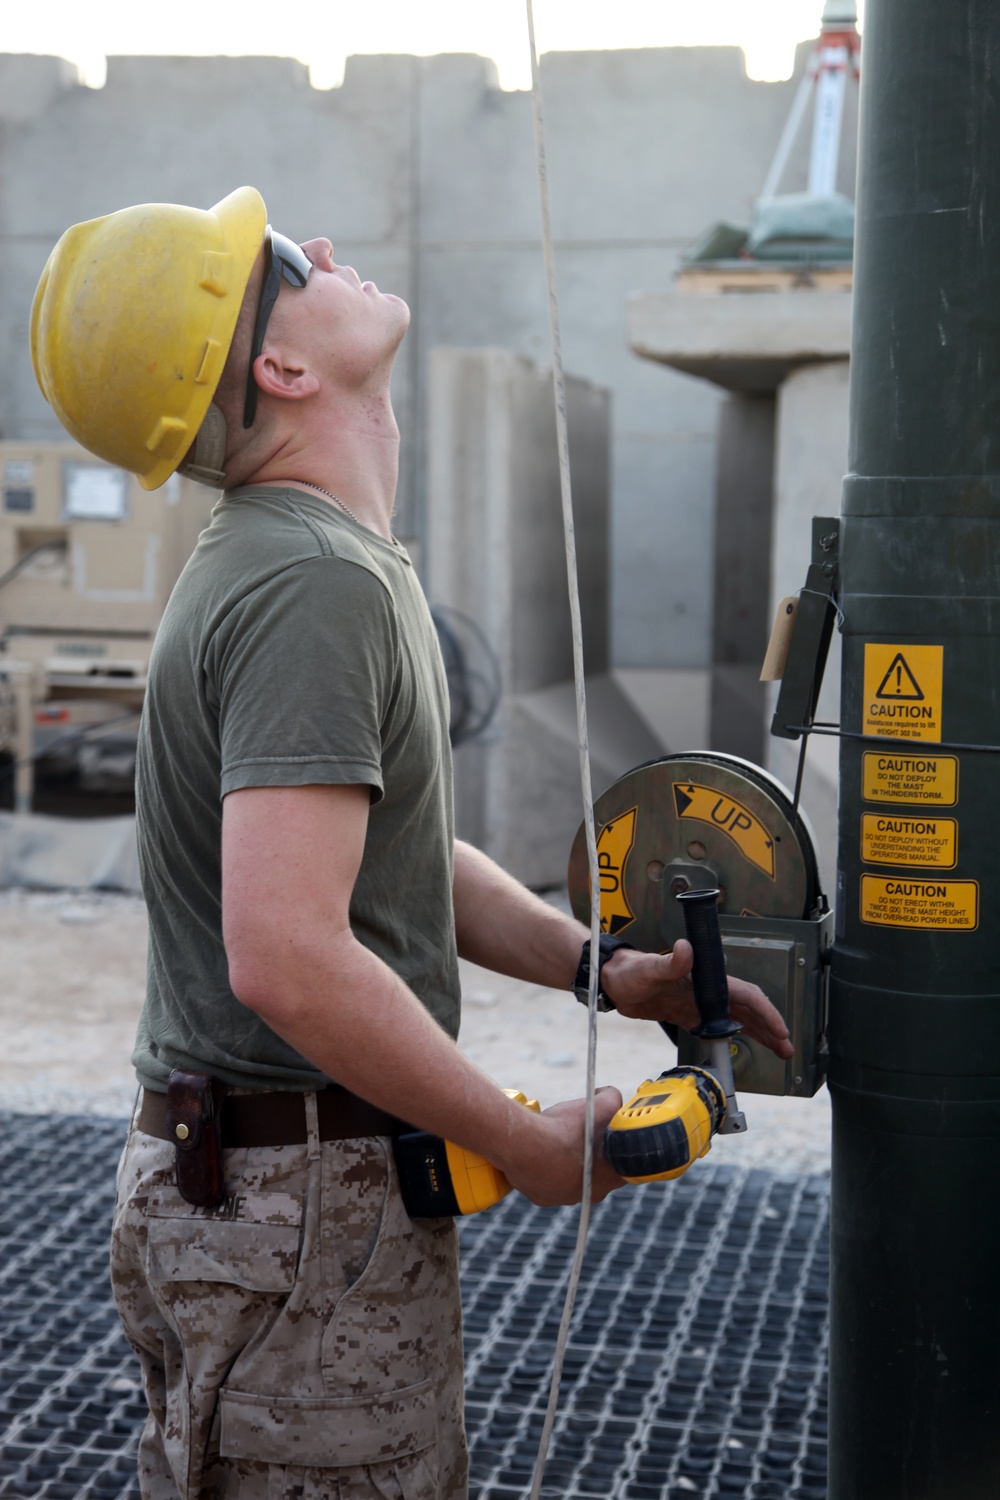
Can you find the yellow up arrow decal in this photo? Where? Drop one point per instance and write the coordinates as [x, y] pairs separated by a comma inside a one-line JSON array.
[[730, 817], [614, 844]]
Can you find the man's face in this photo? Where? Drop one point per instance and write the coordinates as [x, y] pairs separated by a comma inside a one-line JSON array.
[[344, 325]]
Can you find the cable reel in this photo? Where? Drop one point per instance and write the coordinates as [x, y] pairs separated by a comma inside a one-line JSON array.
[[691, 821]]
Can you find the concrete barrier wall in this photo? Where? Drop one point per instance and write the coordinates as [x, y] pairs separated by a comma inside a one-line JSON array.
[[422, 172], [497, 556]]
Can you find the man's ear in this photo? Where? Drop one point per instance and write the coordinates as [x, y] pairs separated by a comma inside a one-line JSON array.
[[284, 376]]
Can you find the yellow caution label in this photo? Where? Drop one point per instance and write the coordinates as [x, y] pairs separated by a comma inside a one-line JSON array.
[[929, 904], [915, 779], [614, 845], [903, 687], [895, 839], [747, 832]]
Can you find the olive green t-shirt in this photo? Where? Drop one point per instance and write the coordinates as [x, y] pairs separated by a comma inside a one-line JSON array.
[[296, 648]]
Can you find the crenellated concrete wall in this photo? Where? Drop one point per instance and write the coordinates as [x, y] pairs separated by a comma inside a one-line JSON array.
[[422, 172]]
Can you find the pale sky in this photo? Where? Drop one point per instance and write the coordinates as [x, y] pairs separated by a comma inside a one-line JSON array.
[[323, 32]]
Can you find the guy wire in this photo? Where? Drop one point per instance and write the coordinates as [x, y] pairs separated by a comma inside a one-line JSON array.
[[562, 438]]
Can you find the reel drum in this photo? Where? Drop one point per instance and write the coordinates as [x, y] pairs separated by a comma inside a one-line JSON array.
[[697, 820]]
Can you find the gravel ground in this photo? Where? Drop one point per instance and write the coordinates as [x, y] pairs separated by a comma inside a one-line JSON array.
[[73, 974]]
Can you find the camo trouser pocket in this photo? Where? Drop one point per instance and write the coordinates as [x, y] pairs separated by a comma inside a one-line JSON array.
[[341, 1449]]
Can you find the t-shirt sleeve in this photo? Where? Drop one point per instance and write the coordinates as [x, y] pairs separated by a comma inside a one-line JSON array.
[[301, 672]]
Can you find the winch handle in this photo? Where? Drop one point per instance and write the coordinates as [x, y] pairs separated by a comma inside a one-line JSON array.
[[708, 976]]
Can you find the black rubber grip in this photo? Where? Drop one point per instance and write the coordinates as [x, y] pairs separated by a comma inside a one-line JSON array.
[[711, 988], [648, 1150]]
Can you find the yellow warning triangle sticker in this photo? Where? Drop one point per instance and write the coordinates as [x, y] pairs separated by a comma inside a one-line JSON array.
[[899, 681], [904, 685]]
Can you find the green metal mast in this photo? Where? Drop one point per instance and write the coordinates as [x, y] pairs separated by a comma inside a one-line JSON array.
[[915, 994]]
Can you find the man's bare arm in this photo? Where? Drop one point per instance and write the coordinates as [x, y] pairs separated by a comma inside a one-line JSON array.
[[290, 857], [504, 927]]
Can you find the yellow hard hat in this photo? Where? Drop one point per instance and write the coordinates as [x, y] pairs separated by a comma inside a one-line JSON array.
[[132, 323]]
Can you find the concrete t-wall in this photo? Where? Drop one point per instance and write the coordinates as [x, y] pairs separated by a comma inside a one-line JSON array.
[[742, 615], [497, 557], [422, 172]]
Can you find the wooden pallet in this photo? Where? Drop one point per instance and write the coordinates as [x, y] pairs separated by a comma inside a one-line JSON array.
[[764, 276]]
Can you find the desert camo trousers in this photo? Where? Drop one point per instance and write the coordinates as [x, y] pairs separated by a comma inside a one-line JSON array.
[[303, 1341]]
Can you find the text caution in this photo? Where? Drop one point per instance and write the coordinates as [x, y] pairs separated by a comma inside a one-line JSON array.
[[931, 905], [927, 843], [916, 779], [903, 691]]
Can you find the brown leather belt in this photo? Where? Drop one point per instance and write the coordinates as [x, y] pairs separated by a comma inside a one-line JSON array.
[[279, 1118]]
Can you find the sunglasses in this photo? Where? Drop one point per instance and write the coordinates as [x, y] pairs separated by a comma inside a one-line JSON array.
[[284, 260]]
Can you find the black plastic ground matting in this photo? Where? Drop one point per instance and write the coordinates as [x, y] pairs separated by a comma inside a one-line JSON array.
[[695, 1367]]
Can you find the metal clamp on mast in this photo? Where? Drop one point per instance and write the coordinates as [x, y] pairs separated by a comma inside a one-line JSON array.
[[812, 616]]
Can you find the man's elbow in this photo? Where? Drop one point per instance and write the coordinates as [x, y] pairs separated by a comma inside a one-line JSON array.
[[262, 968], [257, 981], [279, 973]]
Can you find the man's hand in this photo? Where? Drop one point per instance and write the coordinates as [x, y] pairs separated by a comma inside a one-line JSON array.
[[657, 987], [545, 1160], [502, 926]]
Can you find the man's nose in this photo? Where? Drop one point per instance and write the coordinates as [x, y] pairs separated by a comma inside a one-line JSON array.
[[320, 252]]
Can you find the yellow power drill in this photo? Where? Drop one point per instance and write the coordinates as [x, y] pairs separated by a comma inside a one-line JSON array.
[[665, 1127], [669, 1122]]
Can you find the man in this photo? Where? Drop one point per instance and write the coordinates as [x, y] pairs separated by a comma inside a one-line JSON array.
[[301, 1337]]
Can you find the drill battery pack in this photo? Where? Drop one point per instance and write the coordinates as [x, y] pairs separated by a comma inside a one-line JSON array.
[[438, 1179]]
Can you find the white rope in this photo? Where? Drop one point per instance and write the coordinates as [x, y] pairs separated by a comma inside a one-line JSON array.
[[562, 438]]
